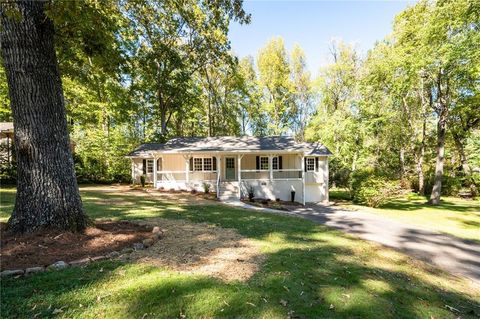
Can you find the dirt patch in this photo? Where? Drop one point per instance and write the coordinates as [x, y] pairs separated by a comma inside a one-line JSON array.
[[175, 196], [45, 248], [202, 249]]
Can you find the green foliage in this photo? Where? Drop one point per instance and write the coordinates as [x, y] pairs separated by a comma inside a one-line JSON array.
[[206, 188], [142, 180], [373, 190]]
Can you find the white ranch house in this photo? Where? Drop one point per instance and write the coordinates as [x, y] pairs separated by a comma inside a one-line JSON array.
[[271, 166]]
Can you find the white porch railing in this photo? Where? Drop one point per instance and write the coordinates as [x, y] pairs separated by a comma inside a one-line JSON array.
[[203, 176], [182, 176], [288, 174], [251, 174], [167, 176]]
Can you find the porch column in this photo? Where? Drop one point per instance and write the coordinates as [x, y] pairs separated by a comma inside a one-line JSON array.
[[240, 156], [187, 169], [155, 172], [270, 167], [303, 178], [219, 173]]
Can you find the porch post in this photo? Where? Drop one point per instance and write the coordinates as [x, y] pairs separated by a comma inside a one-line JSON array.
[[240, 156], [303, 178], [187, 169], [155, 172], [270, 168]]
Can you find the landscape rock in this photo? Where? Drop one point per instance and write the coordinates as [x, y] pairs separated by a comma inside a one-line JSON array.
[[58, 265], [138, 246], [156, 229], [33, 270], [14, 272], [80, 262]]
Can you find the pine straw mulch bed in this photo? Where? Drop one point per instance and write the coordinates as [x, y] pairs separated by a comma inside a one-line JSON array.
[[277, 204], [201, 248], [47, 247]]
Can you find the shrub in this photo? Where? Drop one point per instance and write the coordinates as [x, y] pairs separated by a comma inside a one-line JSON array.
[[206, 188], [142, 180], [451, 185], [373, 190]]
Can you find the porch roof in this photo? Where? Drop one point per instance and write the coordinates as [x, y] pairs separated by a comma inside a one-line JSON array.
[[232, 144]]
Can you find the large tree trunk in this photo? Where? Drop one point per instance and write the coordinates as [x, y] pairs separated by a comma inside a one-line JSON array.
[[47, 190], [465, 166], [441, 132]]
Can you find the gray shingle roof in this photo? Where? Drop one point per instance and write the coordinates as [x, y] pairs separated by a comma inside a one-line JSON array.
[[231, 144]]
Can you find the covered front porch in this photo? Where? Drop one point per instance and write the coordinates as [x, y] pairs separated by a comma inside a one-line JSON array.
[[269, 175]]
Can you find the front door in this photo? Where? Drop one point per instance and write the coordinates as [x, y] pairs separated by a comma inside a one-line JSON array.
[[229, 168]]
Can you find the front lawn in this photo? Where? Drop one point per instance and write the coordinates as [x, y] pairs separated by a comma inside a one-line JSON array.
[[310, 271], [454, 216]]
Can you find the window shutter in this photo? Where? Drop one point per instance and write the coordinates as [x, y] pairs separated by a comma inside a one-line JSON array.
[[191, 164], [316, 164], [144, 166], [158, 165], [305, 164], [214, 163], [280, 164], [257, 163]]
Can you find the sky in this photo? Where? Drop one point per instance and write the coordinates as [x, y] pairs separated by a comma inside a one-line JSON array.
[[313, 24]]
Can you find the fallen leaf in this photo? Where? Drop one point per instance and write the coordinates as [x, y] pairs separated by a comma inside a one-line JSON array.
[[56, 311], [251, 304], [331, 307], [283, 302]]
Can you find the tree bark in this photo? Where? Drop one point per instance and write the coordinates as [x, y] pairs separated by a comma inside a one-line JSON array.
[[47, 191], [441, 132]]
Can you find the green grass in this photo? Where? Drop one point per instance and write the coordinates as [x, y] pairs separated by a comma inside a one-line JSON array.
[[319, 272], [454, 216]]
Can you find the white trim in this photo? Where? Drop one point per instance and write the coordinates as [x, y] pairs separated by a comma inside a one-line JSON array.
[[230, 152], [303, 179]]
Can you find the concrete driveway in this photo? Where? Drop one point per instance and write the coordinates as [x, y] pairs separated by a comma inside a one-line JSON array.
[[455, 255]]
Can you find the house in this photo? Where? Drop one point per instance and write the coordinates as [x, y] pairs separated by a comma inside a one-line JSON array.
[[272, 167], [6, 140]]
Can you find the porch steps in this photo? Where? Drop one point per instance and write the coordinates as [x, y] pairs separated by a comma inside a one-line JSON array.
[[228, 191]]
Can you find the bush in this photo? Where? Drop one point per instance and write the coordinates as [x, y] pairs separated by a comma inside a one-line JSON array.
[[451, 185], [206, 188], [142, 180], [373, 190]]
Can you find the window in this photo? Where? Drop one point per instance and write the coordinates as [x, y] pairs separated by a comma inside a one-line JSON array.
[[207, 164], [310, 164], [197, 164], [275, 163], [150, 166], [264, 163]]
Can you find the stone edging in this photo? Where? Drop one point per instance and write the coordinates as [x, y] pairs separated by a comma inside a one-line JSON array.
[[157, 234]]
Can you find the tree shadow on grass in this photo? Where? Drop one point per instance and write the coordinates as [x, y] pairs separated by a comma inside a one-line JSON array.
[[318, 285], [319, 280]]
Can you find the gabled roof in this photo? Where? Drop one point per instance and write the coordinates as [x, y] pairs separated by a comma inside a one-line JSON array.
[[231, 144]]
